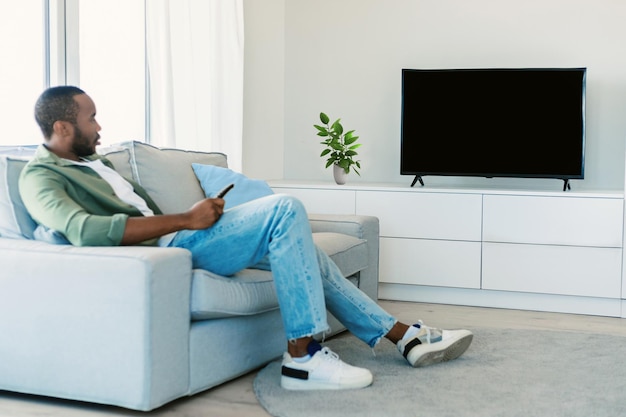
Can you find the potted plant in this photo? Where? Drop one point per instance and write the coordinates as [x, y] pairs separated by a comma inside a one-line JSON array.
[[340, 148]]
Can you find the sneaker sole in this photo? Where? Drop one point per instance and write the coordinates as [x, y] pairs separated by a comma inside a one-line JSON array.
[[440, 352], [294, 384]]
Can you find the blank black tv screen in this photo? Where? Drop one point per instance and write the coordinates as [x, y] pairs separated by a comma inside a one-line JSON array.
[[494, 122]]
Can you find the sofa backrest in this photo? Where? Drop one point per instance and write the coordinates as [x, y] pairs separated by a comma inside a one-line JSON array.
[[166, 174], [120, 157]]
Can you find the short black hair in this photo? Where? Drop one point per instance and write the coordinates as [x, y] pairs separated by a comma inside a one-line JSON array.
[[56, 103]]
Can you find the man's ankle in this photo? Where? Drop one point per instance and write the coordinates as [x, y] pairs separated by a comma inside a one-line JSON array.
[[397, 332], [298, 348]]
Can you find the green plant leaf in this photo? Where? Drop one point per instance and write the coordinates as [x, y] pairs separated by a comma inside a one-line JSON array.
[[351, 153], [349, 140], [357, 145], [337, 127], [324, 119], [330, 162], [325, 152]]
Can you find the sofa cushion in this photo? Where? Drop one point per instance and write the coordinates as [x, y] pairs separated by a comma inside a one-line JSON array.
[[15, 222], [213, 178], [120, 158], [348, 252], [251, 291], [167, 176]]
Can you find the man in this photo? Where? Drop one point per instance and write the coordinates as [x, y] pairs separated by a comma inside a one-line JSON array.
[[70, 189]]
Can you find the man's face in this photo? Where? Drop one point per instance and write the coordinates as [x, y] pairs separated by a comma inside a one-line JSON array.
[[86, 128]]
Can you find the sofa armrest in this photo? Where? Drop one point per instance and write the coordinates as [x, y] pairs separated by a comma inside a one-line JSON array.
[[363, 227], [105, 324]]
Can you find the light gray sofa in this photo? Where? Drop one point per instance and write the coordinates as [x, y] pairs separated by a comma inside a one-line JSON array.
[[136, 327]]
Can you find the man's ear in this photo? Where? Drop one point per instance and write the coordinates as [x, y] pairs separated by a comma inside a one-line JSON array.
[[62, 128]]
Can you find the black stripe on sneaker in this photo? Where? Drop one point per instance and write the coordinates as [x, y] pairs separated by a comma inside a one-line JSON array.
[[295, 373], [410, 346]]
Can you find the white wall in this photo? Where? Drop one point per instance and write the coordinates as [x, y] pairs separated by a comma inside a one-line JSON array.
[[344, 57], [264, 88]]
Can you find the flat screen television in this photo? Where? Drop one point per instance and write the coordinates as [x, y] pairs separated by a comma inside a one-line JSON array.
[[497, 122]]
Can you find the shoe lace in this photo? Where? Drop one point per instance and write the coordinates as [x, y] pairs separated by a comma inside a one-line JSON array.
[[430, 331], [329, 355], [427, 333]]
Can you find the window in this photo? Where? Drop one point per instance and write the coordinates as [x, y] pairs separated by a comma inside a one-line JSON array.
[[109, 38], [194, 94], [111, 47], [22, 73]]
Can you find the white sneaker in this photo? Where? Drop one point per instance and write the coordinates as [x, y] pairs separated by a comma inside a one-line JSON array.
[[323, 371], [431, 345]]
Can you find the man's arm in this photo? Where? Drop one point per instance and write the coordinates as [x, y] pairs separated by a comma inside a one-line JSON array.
[[201, 215], [52, 201]]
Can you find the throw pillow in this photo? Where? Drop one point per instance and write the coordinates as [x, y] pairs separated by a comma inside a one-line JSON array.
[[45, 234], [15, 222], [213, 178]]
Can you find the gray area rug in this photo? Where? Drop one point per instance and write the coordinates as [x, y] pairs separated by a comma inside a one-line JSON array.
[[504, 373]]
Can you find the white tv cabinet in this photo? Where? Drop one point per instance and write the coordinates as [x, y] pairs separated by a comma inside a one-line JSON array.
[[532, 250]]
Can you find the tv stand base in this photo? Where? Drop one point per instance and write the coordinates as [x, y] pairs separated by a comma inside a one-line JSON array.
[[416, 179], [566, 185]]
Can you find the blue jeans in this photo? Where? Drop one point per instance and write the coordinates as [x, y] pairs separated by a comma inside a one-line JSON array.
[[276, 229]]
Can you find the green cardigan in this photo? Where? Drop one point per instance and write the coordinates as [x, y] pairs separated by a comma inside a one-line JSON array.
[[75, 201]]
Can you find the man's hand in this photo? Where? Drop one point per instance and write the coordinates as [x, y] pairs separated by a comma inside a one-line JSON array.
[[204, 213], [201, 215]]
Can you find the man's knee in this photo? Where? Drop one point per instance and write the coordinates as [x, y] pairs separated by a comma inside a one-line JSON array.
[[289, 202]]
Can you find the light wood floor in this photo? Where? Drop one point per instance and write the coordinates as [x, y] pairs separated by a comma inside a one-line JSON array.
[[237, 398]]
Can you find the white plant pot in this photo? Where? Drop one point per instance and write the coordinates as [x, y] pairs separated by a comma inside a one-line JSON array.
[[340, 174]]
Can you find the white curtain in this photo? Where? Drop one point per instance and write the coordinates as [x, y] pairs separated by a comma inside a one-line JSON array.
[[195, 67]]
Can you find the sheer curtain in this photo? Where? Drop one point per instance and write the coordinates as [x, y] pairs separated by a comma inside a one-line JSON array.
[[22, 70], [195, 75]]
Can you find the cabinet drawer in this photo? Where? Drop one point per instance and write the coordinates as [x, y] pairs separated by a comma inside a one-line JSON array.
[[424, 215], [553, 220], [322, 201], [430, 262], [565, 270]]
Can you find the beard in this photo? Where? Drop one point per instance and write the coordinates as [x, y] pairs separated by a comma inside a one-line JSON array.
[[82, 145]]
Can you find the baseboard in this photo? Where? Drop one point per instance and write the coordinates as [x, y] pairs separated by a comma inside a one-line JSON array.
[[608, 307]]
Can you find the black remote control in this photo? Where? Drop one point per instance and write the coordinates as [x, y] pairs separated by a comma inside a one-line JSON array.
[[226, 189]]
